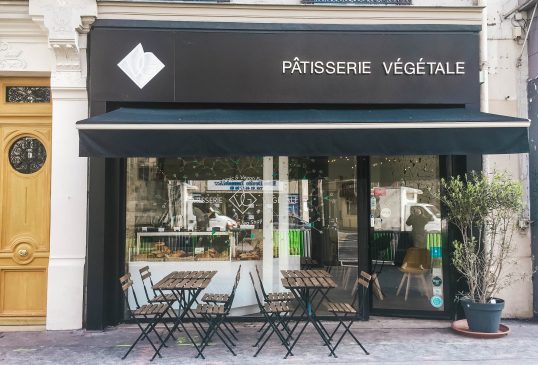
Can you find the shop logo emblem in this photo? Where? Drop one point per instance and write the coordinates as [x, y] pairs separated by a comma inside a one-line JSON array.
[[243, 201], [437, 281], [140, 66]]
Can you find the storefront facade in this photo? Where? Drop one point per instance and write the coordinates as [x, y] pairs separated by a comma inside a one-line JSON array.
[[214, 145]]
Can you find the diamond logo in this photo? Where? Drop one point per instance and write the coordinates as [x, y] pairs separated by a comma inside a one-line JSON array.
[[243, 201], [140, 66]]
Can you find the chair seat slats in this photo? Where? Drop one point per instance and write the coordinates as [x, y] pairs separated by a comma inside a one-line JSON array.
[[151, 309], [279, 297], [341, 308], [215, 298], [277, 307], [165, 298], [216, 309]]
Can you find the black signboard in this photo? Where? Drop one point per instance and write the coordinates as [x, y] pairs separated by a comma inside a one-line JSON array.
[[285, 66]]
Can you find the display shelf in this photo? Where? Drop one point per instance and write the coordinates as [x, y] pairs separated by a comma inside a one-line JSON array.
[[182, 246]]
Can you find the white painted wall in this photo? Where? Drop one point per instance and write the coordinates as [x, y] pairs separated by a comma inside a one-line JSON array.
[[68, 207], [24, 47], [507, 95], [67, 45]]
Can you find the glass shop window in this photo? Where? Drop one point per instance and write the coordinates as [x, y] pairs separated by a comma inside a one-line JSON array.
[[216, 213]]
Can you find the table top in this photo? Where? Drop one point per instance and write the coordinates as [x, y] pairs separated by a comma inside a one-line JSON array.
[[305, 274], [308, 283], [185, 280]]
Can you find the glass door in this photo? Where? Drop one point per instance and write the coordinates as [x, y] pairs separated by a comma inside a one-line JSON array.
[[406, 240]]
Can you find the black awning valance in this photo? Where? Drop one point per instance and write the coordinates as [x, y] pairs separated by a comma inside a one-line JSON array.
[[132, 132]]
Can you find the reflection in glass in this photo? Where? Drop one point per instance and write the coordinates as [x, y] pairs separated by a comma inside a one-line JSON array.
[[406, 245], [329, 196], [274, 213]]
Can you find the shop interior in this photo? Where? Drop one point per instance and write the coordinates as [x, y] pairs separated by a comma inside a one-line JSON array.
[[280, 213]]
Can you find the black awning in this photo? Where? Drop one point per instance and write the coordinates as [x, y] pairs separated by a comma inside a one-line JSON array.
[[132, 132]]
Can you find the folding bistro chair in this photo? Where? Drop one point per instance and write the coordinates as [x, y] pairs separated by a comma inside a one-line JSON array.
[[145, 275], [272, 297], [215, 314], [347, 313], [222, 299], [153, 313], [273, 313]]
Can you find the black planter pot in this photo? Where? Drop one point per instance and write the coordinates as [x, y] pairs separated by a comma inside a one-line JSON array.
[[483, 317]]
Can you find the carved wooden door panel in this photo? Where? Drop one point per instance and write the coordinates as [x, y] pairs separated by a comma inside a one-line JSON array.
[[25, 145]]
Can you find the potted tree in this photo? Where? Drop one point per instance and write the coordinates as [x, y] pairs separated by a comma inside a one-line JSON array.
[[484, 209]]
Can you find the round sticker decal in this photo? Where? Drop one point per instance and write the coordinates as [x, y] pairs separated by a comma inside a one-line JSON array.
[[436, 301], [437, 281]]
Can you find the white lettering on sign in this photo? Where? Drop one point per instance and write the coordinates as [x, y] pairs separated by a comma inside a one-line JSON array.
[[398, 67], [424, 68], [326, 67]]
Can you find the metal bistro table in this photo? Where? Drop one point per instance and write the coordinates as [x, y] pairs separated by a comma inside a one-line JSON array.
[[186, 286], [305, 285]]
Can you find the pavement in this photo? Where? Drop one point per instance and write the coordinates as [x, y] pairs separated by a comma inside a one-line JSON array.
[[389, 341]]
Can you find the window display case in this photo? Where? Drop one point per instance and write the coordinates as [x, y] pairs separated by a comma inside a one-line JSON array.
[[182, 246]]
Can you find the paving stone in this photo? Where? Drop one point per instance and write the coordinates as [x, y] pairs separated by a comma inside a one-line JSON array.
[[390, 341]]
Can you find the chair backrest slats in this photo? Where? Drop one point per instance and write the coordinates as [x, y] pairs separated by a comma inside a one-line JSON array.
[[255, 291], [144, 275], [125, 277], [126, 283], [260, 281], [228, 304], [366, 276], [364, 283], [126, 286]]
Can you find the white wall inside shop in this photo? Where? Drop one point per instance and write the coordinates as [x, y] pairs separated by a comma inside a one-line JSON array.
[[507, 88]]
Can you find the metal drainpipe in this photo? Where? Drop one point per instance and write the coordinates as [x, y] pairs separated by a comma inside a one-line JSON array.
[[484, 68]]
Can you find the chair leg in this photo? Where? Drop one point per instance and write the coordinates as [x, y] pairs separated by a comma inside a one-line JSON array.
[[223, 332], [157, 332], [144, 334], [233, 327], [219, 331], [336, 329], [401, 284], [229, 330], [262, 335], [168, 328], [407, 286], [296, 339], [262, 327], [347, 330], [273, 322], [214, 329]]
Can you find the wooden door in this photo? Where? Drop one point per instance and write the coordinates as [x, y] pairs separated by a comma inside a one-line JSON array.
[[25, 145]]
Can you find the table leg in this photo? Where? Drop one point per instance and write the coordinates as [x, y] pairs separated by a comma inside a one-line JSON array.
[[189, 300]]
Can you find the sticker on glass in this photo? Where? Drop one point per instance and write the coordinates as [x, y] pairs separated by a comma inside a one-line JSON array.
[[437, 281], [436, 301]]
